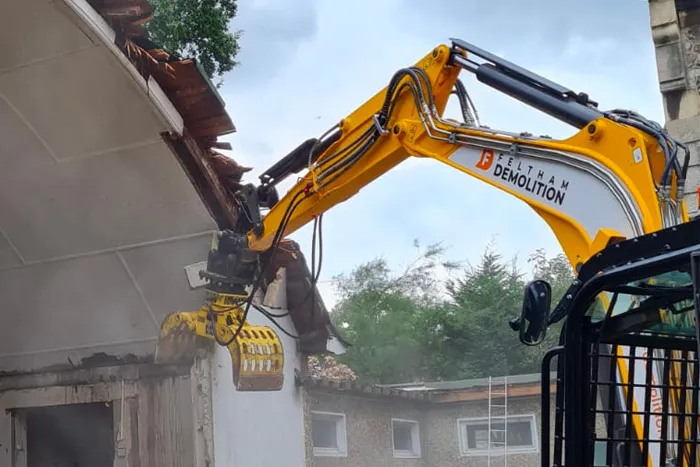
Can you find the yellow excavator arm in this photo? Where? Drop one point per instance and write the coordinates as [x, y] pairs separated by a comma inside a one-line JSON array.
[[606, 180], [618, 176]]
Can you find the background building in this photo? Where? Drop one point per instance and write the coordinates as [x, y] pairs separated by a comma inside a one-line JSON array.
[[426, 424]]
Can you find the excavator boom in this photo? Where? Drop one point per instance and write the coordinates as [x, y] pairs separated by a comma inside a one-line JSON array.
[[616, 159], [617, 176]]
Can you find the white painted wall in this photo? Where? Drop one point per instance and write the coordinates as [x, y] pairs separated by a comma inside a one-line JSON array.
[[85, 259], [255, 429]]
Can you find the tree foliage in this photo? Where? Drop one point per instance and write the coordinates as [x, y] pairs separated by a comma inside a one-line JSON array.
[[381, 314], [416, 326], [198, 29]]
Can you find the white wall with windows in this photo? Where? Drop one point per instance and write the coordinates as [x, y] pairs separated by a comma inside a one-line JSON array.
[[329, 434], [520, 436], [405, 438]]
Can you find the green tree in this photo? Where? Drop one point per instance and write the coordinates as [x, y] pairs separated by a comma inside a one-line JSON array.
[[198, 29], [381, 313], [413, 326], [474, 338]]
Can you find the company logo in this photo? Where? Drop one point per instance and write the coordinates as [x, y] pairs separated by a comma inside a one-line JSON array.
[[524, 174], [485, 160]]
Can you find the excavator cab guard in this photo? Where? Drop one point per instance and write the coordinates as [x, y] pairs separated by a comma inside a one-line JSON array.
[[625, 368]]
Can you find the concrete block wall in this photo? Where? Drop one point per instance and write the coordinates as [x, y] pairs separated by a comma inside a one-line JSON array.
[[675, 26]]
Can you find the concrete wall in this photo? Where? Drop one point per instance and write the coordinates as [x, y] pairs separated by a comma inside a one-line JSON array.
[[100, 218], [254, 429]]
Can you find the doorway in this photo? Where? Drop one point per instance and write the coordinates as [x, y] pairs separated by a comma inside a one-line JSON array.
[[75, 435]]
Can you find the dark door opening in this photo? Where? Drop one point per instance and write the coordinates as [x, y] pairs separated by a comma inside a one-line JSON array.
[[80, 435]]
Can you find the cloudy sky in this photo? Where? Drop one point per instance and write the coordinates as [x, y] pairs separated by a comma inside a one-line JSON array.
[[306, 64]]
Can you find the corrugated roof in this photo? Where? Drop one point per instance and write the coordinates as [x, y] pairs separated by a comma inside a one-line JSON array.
[[215, 176]]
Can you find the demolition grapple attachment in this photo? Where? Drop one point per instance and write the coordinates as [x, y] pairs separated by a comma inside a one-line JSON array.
[[256, 351]]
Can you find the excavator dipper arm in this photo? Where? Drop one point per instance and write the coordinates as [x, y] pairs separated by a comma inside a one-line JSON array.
[[618, 176]]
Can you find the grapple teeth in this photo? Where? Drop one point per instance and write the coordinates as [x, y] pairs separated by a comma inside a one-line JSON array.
[[178, 338], [258, 360], [257, 354]]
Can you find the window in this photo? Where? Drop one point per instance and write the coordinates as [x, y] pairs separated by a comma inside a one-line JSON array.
[[405, 438], [521, 435], [328, 434]]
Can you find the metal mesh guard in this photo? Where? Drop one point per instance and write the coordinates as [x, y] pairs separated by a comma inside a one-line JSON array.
[[660, 429]]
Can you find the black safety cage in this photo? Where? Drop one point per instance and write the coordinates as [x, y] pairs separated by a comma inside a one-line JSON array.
[[595, 421]]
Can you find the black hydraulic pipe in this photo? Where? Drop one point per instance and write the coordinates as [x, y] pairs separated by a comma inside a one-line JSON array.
[[512, 68], [565, 109], [324, 144], [300, 157], [293, 162]]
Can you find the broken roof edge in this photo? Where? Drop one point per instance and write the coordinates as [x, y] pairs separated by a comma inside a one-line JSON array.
[[183, 80], [311, 383], [99, 30], [202, 119]]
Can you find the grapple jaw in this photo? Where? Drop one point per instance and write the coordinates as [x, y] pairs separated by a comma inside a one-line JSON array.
[[178, 339], [258, 359], [256, 352]]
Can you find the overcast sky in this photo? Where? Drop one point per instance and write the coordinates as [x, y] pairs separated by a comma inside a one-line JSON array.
[[306, 64]]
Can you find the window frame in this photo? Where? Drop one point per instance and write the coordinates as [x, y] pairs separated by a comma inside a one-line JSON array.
[[415, 453], [465, 451], [340, 434]]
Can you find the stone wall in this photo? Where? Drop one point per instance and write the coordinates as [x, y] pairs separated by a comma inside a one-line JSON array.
[[369, 436], [368, 429], [675, 29]]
